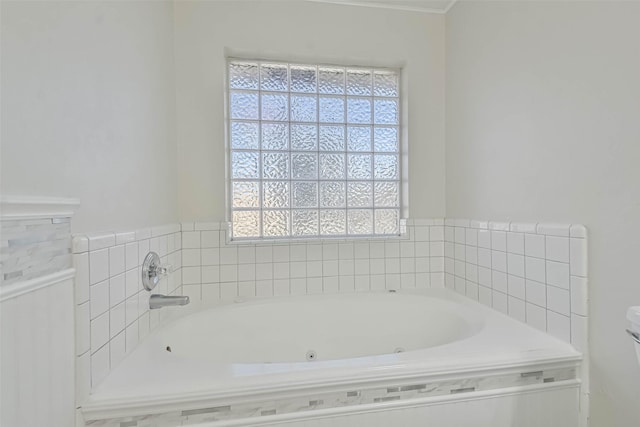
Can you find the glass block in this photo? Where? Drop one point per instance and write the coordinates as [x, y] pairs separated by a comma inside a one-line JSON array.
[[385, 166], [331, 80], [385, 112], [275, 194], [274, 77], [304, 137], [386, 221], [332, 194], [275, 223], [244, 105], [385, 83], [246, 223], [332, 166], [385, 139], [331, 138], [386, 194], [275, 107], [332, 222], [359, 138], [304, 194], [275, 136], [360, 221], [359, 82], [303, 108], [246, 195], [331, 110], [243, 75], [244, 135], [303, 78], [358, 110], [244, 164], [275, 166], [359, 166], [304, 223], [304, 166], [359, 194]]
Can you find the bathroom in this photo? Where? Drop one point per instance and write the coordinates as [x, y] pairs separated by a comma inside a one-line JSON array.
[[517, 161]]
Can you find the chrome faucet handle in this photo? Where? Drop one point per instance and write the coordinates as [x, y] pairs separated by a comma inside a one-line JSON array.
[[153, 270], [164, 270]]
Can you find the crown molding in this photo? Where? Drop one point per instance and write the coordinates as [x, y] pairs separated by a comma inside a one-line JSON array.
[[387, 6]]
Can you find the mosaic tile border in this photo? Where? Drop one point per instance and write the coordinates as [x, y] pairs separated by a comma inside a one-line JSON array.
[[34, 247], [356, 397]]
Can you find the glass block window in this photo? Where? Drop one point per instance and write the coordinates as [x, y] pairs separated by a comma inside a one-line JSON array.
[[314, 150]]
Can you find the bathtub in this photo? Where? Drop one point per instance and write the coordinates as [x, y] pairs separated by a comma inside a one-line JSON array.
[[340, 359]]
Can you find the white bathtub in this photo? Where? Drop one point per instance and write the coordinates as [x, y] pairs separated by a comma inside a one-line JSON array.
[[273, 361]]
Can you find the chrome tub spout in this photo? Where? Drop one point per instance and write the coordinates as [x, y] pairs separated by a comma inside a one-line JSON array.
[[159, 301]]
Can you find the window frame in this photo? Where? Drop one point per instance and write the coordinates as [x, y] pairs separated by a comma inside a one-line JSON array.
[[402, 152]]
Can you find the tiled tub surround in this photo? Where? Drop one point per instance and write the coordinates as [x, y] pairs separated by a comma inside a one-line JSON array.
[[196, 390], [112, 307], [215, 270], [535, 273]]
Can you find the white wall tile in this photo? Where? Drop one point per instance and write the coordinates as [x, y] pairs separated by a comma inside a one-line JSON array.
[[83, 336], [98, 266], [535, 269], [499, 281], [557, 248], [499, 261], [517, 309], [499, 241], [191, 240], [209, 239], [117, 348], [191, 257], [500, 302], [81, 264], [229, 273], [484, 239], [117, 320], [579, 299], [484, 295], [191, 275], [515, 243], [536, 293], [516, 287], [578, 257], [534, 245], [559, 300], [100, 365], [484, 257], [116, 289], [536, 316], [99, 298], [558, 274], [436, 233], [515, 264], [559, 326], [116, 260], [99, 331]]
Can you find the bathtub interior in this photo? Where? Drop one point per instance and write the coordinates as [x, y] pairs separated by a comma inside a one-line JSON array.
[[319, 328]]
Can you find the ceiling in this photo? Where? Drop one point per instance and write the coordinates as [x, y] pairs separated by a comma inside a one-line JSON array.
[[429, 6]]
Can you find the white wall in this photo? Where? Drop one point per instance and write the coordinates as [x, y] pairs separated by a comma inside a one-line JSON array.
[[300, 30], [88, 108], [543, 107]]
